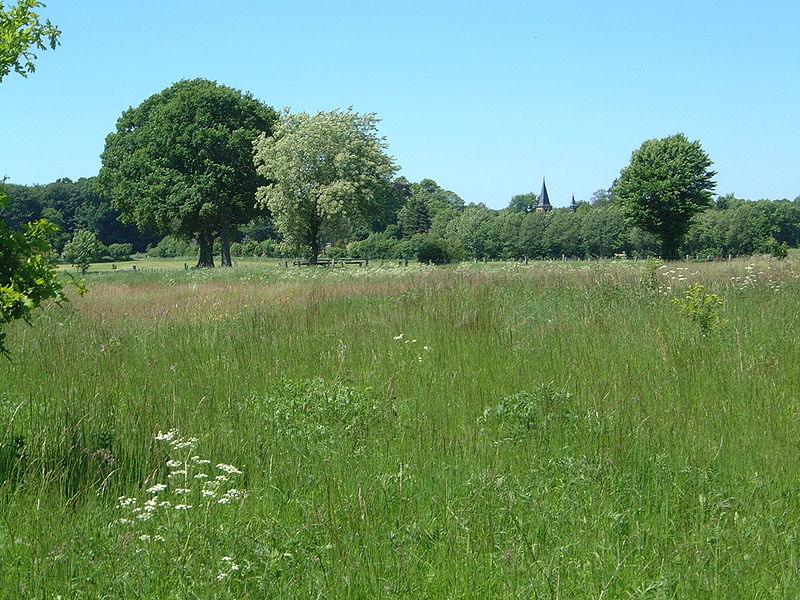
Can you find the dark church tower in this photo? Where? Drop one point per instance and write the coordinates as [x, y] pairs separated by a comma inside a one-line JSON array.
[[573, 205], [544, 200]]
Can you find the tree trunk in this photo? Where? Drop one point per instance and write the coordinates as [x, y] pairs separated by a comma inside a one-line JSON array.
[[225, 244], [315, 242], [669, 247], [206, 259]]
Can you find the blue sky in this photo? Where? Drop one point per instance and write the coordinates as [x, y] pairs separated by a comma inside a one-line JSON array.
[[483, 98]]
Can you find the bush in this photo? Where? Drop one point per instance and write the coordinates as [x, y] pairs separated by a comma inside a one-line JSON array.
[[84, 249], [171, 247], [120, 251], [776, 249], [436, 250]]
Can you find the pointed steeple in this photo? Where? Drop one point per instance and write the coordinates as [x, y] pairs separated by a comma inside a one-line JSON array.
[[544, 200], [573, 205]]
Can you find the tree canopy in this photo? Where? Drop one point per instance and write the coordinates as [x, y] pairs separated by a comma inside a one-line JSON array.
[[327, 172], [181, 162], [667, 182]]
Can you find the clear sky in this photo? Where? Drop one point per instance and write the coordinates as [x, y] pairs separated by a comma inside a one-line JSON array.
[[485, 98]]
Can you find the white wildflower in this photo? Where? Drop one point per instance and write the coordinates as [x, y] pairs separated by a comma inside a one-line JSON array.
[[174, 464], [144, 537], [209, 493], [180, 473], [183, 491], [159, 487], [200, 476], [229, 469], [398, 337], [166, 437], [183, 506]]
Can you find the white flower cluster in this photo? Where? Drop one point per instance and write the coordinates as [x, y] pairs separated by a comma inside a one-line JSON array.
[[185, 481], [229, 566]]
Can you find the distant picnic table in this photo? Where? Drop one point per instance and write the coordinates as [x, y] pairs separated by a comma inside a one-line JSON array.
[[332, 262]]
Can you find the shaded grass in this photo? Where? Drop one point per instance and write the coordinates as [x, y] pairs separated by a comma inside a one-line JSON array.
[[669, 472]]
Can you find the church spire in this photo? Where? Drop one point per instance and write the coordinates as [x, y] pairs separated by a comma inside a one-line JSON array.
[[573, 205], [544, 200]]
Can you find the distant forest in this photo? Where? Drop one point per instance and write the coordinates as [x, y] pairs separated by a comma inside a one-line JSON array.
[[425, 221]]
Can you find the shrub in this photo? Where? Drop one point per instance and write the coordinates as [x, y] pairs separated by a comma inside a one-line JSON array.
[[120, 251], [777, 249], [701, 306], [84, 249], [171, 247]]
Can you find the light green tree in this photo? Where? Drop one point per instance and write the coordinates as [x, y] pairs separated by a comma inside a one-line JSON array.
[[82, 250], [667, 182], [327, 172]]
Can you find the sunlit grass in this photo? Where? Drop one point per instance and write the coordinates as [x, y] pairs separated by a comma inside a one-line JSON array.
[[514, 431]]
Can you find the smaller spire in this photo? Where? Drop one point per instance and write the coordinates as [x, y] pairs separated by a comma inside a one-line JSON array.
[[573, 205]]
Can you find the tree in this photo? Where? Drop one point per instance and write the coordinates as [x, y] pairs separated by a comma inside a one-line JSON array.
[[20, 30], [327, 172], [27, 275], [414, 217], [181, 163], [525, 203], [83, 250], [666, 184]]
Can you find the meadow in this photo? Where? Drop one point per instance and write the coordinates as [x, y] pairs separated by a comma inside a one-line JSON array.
[[550, 430]]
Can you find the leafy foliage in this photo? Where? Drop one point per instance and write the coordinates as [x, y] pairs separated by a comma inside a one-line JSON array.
[[181, 162], [327, 172], [701, 307], [667, 182], [20, 30], [84, 249], [27, 274]]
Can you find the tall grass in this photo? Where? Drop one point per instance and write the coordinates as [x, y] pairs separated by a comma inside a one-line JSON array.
[[550, 430]]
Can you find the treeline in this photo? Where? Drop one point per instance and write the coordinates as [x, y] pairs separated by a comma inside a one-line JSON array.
[[427, 222], [72, 206]]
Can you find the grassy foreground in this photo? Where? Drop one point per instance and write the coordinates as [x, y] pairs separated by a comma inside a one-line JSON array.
[[478, 431]]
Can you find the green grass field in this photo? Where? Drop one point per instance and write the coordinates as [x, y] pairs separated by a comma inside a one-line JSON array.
[[551, 430]]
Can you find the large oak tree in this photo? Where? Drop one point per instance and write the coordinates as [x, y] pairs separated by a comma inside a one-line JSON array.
[[666, 184], [181, 163], [327, 172]]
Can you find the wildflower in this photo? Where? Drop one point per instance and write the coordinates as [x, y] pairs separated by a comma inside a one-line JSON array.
[[183, 506], [166, 437], [200, 476], [398, 337], [183, 491], [178, 473], [145, 516], [426, 348], [224, 500], [230, 469], [221, 478], [123, 502], [159, 487], [144, 537], [174, 464], [222, 576], [124, 522], [209, 493], [159, 538]]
